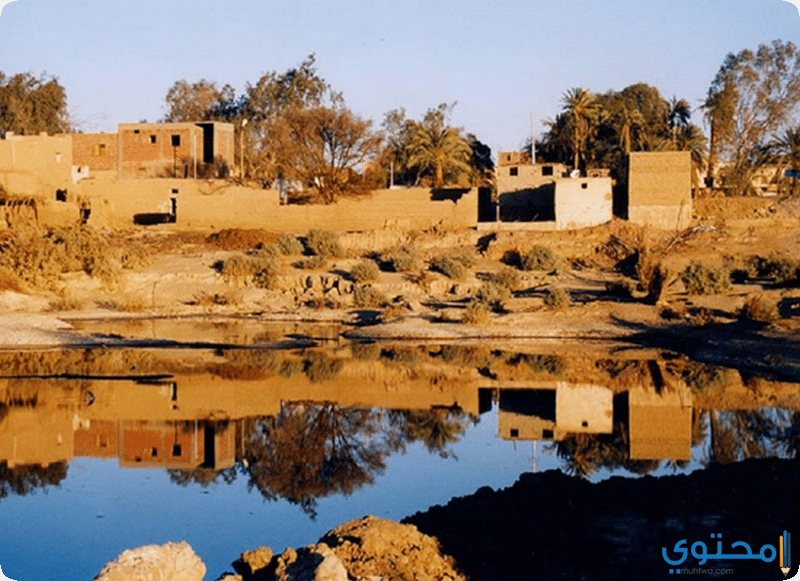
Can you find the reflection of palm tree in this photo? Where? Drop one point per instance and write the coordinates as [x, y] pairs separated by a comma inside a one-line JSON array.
[[24, 479], [739, 434], [436, 428]]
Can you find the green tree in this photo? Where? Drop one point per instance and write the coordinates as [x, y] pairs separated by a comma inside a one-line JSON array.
[[200, 101], [330, 147], [436, 149], [762, 89], [30, 105]]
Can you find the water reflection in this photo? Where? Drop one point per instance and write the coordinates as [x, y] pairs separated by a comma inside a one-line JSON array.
[[303, 424]]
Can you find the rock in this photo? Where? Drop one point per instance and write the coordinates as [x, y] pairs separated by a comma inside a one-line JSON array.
[[313, 563], [372, 546], [168, 562], [251, 561]]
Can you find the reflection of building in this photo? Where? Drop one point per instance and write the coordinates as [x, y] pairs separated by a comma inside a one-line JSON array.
[[660, 424], [551, 414]]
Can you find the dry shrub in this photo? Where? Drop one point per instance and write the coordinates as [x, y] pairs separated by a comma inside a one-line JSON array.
[[549, 364], [366, 271], [368, 297], [37, 258], [507, 278], [315, 262], [540, 258], [205, 299], [365, 351], [450, 267], [125, 304], [324, 243], [289, 245], [318, 367], [134, 256], [67, 304], [393, 310], [557, 298], [621, 287], [476, 313], [240, 239], [760, 309], [403, 259], [262, 267], [10, 281], [493, 296], [700, 278]]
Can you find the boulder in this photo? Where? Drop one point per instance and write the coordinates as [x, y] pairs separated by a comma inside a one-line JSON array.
[[167, 562]]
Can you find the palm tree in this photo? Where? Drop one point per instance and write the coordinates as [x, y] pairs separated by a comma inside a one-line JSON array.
[[679, 114], [437, 148], [582, 110], [690, 138]]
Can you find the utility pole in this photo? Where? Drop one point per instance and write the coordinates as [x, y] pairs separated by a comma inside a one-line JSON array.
[[241, 148]]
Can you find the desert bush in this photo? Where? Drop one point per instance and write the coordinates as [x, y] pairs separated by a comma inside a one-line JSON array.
[[366, 271], [507, 278], [205, 299], [318, 367], [125, 304], [291, 367], [540, 258], [324, 243], [313, 263], [240, 238], [476, 313], [368, 297], [557, 298], [493, 296], [621, 287], [70, 303], [468, 258], [365, 351], [289, 245], [550, 364], [759, 308], [450, 267], [260, 267], [37, 258], [134, 256], [393, 310], [403, 259], [781, 268], [700, 278]]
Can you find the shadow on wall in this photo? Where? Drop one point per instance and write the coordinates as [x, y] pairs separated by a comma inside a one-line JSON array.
[[452, 194], [529, 205], [153, 218]]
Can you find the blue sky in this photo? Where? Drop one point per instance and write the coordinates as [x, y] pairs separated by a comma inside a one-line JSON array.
[[501, 60]]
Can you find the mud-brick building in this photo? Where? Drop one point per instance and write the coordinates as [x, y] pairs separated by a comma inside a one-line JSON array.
[[33, 164], [543, 196], [659, 192]]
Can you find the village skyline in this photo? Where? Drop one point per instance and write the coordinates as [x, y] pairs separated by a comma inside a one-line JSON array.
[[481, 57]]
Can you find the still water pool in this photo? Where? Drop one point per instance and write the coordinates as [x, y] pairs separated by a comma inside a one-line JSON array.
[[230, 449]]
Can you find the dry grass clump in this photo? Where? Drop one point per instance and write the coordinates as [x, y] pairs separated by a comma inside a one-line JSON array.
[[319, 367], [125, 304], [507, 278], [224, 299], [621, 287], [549, 364], [450, 267], [540, 258], [260, 267], [700, 278], [323, 243], [37, 258], [134, 256], [315, 262], [368, 297], [557, 298], [289, 245], [493, 296], [402, 259], [476, 313], [365, 351], [760, 309], [67, 303], [365, 271], [240, 238]]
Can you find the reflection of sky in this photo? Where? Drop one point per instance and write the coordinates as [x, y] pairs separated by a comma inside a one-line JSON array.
[[71, 531]]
